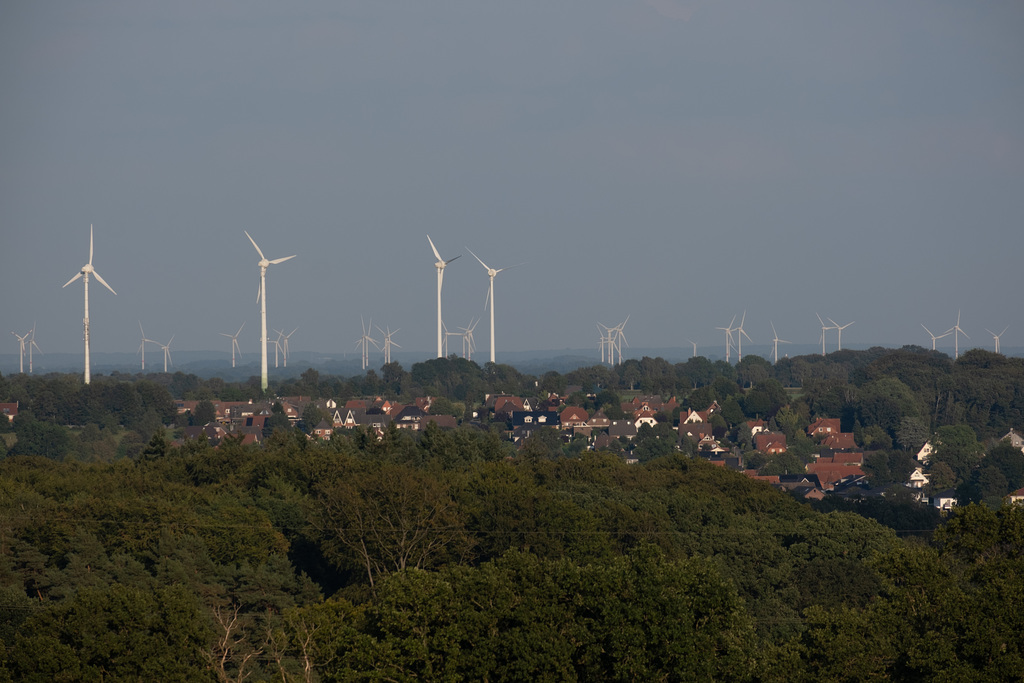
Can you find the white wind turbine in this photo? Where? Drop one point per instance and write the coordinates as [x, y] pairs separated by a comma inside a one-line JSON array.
[[694, 347], [491, 272], [234, 343], [776, 341], [824, 327], [21, 350], [261, 297], [167, 352], [440, 264], [740, 336], [365, 341], [33, 344], [282, 344], [616, 337], [994, 335], [277, 348], [142, 346], [468, 343], [935, 337], [956, 336], [388, 343], [728, 337], [86, 271], [605, 340], [839, 332]]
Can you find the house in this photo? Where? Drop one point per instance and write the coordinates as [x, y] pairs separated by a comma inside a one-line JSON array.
[[945, 500], [599, 420], [830, 475], [540, 418], [1015, 439], [838, 441], [9, 410], [442, 421], [622, 428], [770, 442], [844, 458], [644, 416], [822, 426], [916, 483], [925, 454], [1016, 498], [323, 430], [409, 417], [211, 432], [573, 417], [756, 426]]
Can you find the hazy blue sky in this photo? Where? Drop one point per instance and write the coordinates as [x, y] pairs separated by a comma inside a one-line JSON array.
[[675, 161]]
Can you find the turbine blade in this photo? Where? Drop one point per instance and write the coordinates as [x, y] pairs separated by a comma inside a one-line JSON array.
[[282, 260], [71, 280], [434, 249], [239, 330], [258, 250], [478, 258], [104, 282], [452, 259], [90, 251]]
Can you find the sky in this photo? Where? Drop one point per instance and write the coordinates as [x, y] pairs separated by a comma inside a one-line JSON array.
[[675, 162]]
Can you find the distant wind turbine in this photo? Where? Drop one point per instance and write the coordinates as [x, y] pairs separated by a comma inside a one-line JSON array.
[[86, 271], [839, 331], [440, 264], [740, 336], [282, 343], [491, 272], [956, 338], [365, 341], [234, 343], [776, 341], [167, 352], [21, 350], [935, 337], [728, 337], [994, 335], [261, 297], [694, 347], [824, 328], [468, 343], [34, 345], [388, 343], [142, 346]]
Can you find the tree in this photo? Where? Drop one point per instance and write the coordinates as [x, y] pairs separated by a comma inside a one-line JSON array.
[[204, 413], [957, 447]]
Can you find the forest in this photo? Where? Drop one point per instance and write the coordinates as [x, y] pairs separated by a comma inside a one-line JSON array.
[[449, 555]]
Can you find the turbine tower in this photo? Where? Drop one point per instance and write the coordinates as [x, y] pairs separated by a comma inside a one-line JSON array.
[[86, 271], [994, 336], [956, 336], [32, 344], [776, 341], [605, 342], [934, 337], [261, 297], [839, 331], [468, 343], [491, 272], [694, 347], [234, 343], [440, 264]]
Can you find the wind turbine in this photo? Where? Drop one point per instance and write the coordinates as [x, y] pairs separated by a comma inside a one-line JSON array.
[[365, 342], [468, 343], [934, 337], [167, 352], [824, 327], [261, 297], [282, 342], [33, 344], [776, 341], [142, 346], [740, 336], [839, 331], [234, 343], [388, 343], [956, 336], [86, 271], [694, 347], [491, 272], [440, 264], [616, 336], [605, 340], [994, 336], [21, 350], [728, 337]]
